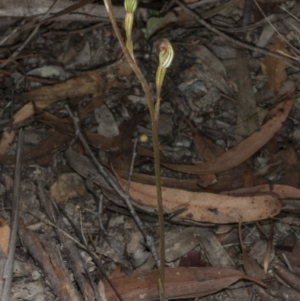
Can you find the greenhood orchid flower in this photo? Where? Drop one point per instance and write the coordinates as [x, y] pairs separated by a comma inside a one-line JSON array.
[[166, 56]]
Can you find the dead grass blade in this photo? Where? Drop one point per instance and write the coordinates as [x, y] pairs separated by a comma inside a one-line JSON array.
[[243, 150]]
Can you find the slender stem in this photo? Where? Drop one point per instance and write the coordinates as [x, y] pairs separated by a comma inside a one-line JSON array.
[[154, 122], [130, 60], [128, 28], [8, 265]]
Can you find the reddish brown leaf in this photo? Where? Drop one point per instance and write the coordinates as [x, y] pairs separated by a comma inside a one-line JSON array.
[[288, 277], [268, 253], [47, 95], [65, 126], [179, 283], [46, 149], [4, 236], [205, 207], [281, 191], [275, 67], [225, 180], [204, 148], [193, 259], [250, 265], [292, 257], [290, 164], [243, 150]]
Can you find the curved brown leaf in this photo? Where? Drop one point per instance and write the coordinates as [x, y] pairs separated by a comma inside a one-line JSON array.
[[4, 236], [243, 150], [42, 97], [206, 207], [180, 283], [281, 191]]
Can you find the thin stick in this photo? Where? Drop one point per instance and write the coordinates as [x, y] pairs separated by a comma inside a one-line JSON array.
[[8, 270], [89, 251], [225, 36], [100, 211], [150, 103], [111, 181], [33, 33], [132, 164]]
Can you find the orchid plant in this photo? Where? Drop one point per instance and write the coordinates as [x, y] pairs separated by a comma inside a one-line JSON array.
[[165, 59]]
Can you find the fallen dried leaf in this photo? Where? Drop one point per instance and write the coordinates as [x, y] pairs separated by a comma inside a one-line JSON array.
[[281, 191], [62, 126], [288, 277], [292, 257], [47, 95], [44, 150], [180, 282], [288, 158], [268, 253], [204, 149], [4, 236], [243, 150], [206, 207], [193, 259], [179, 243], [251, 267], [274, 68]]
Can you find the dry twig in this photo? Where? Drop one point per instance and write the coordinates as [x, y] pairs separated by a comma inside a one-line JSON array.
[[111, 181], [8, 268]]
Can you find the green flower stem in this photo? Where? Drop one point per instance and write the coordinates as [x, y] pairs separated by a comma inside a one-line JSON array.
[[128, 29], [160, 74], [149, 98]]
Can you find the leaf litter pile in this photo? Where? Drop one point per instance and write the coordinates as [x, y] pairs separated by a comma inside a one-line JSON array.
[[76, 147]]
